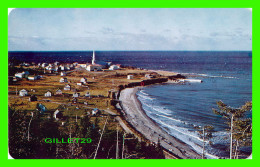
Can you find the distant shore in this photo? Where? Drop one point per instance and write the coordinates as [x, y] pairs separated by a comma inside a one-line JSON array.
[[136, 116]]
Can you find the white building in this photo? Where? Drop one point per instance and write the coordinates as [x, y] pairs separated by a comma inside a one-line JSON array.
[[44, 65], [23, 92], [47, 94], [95, 67], [83, 65], [75, 95], [83, 80], [67, 87], [130, 76], [32, 78], [56, 63], [62, 80], [63, 73], [58, 92], [87, 94], [19, 75], [62, 68], [114, 67]]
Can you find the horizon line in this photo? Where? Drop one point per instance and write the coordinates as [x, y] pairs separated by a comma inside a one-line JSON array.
[[130, 50]]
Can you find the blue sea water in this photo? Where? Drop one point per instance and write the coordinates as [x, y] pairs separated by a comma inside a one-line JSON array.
[[177, 108]]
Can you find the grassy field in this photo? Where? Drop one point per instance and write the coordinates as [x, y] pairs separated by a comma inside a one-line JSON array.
[[98, 84]]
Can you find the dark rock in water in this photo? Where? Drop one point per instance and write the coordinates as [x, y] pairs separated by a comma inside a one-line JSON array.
[[178, 76]]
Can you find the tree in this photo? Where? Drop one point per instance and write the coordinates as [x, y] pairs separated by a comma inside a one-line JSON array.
[[205, 133], [240, 127]]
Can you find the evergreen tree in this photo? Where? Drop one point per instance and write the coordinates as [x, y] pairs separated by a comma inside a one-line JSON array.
[[240, 127]]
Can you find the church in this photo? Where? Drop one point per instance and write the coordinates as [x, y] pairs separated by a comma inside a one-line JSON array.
[[96, 65]]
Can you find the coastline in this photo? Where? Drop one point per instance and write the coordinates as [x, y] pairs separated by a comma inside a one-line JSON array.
[[136, 116]]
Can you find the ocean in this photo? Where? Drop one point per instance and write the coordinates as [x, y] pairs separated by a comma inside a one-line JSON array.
[[178, 108]]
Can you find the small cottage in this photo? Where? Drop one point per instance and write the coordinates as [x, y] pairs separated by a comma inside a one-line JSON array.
[[83, 80], [62, 68], [56, 63], [62, 80], [19, 75], [58, 92], [87, 94], [130, 76], [33, 98], [23, 92], [44, 65], [32, 77], [63, 73], [47, 94], [76, 95], [95, 67], [67, 87], [114, 67], [79, 83]]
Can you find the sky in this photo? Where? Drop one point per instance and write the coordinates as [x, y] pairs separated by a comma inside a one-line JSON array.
[[83, 29]]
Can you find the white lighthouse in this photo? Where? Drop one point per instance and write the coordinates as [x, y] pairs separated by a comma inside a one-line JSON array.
[[93, 58]]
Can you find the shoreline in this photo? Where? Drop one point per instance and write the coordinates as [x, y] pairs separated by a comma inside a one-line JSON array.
[[136, 116]]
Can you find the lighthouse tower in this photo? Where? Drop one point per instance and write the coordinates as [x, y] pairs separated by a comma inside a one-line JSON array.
[[93, 58]]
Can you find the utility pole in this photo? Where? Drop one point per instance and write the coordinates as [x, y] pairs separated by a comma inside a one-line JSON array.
[[28, 137], [100, 139], [117, 141], [71, 145], [203, 151], [231, 136], [123, 146]]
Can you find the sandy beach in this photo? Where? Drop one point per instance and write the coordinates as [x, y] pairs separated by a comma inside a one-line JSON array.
[[136, 116]]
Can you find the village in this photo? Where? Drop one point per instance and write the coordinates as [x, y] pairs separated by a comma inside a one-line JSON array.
[[67, 93], [89, 86]]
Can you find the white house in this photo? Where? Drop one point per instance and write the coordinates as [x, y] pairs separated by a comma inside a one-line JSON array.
[[79, 83], [62, 68], [75, 95], [63, 73], [58, 92], [44, 65], [130, 76], [94, 68], [83, 80], [47, 94], [62, 80], [32, 77], [114, 67], [87, 94], [67, 67], [19, 75], [23, 92], [67, 87]]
